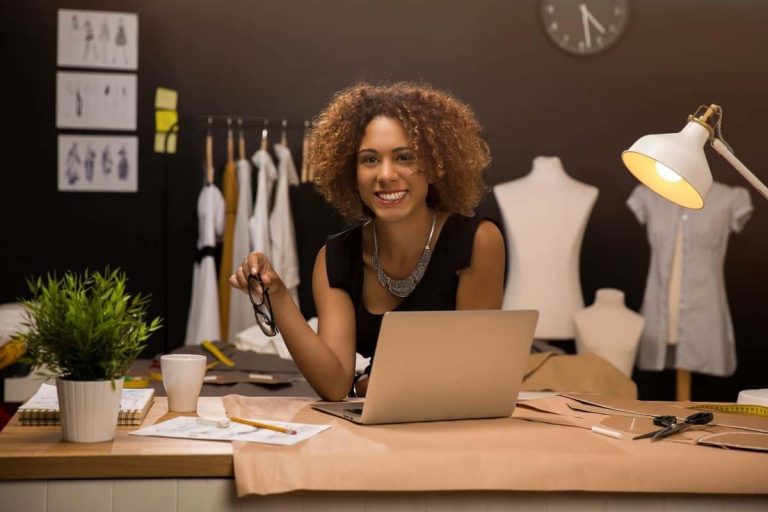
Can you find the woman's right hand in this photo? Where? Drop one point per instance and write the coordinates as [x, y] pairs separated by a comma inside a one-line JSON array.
[[257, 263]]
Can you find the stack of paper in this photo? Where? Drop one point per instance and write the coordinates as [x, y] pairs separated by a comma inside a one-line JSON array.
[[43, 407]]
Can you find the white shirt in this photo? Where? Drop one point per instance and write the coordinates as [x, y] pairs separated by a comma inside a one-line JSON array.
[[203, 321], [285, 259], [259, 223], [705, 341], [240, 309]]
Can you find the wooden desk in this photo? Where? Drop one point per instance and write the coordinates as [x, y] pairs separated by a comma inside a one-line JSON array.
[[35, 453], [41, 473]]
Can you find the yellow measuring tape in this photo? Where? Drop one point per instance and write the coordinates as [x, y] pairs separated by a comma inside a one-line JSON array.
[[754, 410]]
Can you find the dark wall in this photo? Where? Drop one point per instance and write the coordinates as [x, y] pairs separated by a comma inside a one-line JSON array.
[[285, 59]]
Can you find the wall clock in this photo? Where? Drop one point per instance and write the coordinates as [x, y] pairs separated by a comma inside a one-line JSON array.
[[584, 27]]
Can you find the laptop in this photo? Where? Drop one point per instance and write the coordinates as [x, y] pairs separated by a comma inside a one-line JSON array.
[[443, 365]]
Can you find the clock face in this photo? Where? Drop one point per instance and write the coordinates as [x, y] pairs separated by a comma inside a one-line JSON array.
[[584, 27]]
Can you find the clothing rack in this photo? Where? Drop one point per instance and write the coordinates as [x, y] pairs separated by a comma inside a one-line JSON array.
[[265, 123], [207, 120], [294, 122]]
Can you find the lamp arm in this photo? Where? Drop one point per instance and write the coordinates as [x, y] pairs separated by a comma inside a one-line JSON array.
[[721, 148]]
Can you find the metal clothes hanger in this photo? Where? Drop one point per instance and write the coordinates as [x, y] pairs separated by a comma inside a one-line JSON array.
[[240, 139], [230, 142], [264, 135]]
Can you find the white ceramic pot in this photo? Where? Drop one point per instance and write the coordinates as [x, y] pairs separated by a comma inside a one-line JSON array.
[[89, 409]]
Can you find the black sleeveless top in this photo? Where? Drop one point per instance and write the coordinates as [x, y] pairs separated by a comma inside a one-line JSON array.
[[435, 292]]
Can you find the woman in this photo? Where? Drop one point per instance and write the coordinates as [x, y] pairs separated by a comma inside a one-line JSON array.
[[408, 160]]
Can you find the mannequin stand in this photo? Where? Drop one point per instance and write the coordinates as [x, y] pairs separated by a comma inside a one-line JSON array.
[[683, 385]]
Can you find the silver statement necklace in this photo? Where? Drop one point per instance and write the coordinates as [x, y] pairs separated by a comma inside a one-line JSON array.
[[405, 286]]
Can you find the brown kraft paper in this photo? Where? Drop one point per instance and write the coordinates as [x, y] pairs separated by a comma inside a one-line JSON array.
[[740, 431], [492, 454], [582, 373]]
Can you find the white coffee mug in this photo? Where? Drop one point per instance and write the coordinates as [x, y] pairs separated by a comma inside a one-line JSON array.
[[183, 378]]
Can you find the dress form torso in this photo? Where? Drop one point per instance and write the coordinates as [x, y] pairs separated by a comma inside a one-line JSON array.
[[609, 329], [545, 214]]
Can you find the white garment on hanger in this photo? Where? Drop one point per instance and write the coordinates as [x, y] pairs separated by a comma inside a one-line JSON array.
[[285, 258], [12, 318], [259, 222], [240, 309], [203, 321]]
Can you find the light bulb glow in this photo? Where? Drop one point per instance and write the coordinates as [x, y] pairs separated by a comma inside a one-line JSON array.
[[666, 173]]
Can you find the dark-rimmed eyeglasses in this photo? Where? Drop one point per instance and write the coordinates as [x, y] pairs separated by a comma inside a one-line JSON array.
[[262, 308]]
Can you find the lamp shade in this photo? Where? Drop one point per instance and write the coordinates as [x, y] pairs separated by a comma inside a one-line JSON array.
[[673, 164]]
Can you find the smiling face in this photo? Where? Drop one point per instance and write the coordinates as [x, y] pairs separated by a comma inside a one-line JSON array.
[[389, 180]]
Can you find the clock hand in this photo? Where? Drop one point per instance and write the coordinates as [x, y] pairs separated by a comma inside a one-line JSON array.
[[585, 23], [594, 21]]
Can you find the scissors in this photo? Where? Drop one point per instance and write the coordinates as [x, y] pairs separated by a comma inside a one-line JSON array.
[[671, 426]]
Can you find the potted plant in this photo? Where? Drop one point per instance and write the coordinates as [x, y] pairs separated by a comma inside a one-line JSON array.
[[86, 330]]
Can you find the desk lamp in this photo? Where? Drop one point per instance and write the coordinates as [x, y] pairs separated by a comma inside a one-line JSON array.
[[674, 165]]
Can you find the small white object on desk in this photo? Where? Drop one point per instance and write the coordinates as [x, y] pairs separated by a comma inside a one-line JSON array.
[[262, 377], [607, 432], [753, 397], [214, 422]]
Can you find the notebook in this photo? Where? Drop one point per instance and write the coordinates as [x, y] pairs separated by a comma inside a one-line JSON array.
[[43, 407], [444, 365]]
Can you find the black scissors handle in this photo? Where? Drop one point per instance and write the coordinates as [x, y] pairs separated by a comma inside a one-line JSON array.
[[699, 418], [660, 421], [672, 426]]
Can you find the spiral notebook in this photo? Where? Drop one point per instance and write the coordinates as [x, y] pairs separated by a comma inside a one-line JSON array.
[[43, 407]]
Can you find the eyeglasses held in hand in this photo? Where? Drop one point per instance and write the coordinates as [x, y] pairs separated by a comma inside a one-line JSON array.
[[262, 308]]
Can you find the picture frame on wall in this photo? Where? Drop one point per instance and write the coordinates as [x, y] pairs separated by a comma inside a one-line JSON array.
[[101, 101], [97, 39], [97, 163]]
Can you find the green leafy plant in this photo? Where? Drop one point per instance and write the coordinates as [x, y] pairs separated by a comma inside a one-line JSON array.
[[86, 327]]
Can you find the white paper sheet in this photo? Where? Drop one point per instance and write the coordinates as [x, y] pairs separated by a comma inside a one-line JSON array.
[[190, 427]]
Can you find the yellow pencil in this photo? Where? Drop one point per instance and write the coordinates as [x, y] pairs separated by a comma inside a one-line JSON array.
[[263, 425]]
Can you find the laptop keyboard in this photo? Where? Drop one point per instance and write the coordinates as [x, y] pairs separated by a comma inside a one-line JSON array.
[[358, 411]]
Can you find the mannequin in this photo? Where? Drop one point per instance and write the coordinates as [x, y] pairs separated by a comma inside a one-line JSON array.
[[609, 329], [688, 322], [545, 214]]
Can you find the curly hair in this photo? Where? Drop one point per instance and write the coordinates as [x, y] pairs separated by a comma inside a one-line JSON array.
[[443, 131]]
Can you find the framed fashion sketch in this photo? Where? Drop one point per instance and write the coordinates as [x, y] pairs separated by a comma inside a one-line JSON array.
[[98, 39], [101, 101], [94, 163]]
